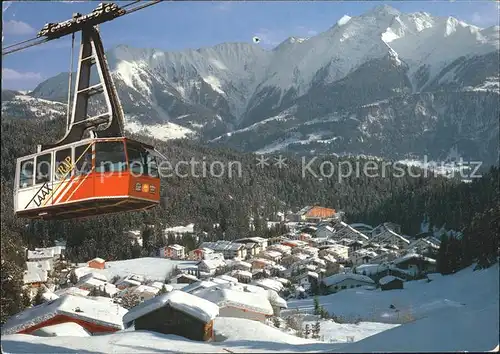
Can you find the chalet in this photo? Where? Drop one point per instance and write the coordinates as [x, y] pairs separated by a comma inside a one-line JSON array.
[[260, 241], [243, 276], [389, 236], [229, 249], [354, 246], [97, 263], [199, 285], [36, 273], [185, 279], [95, 316], [240, 265], [363, 228], [343, 230], [426, 245], [174, 251], [56, 251], [362, 256], [199, 254], [415, 264], [144, 292], [274, 256], [260, 263], [72, 291], [280, 248], [176, 313], [233, 303], [210, 266], [386, 226], [269, 284], [338, 251], [293, 243], [390, 282], [126, 283], [41, 254], [252, 249], [343, 281], [324, 231], [261, 274], [88, 283], [305, 237]]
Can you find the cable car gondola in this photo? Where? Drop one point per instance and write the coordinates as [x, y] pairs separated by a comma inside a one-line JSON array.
[[94, 169]]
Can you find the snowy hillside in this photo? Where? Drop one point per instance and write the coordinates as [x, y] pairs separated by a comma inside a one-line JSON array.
[[433, 71], [451, 313]]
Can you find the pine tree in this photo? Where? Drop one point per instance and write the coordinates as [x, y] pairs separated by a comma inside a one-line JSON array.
[[162, 291], [316, 306], [73, 279], [316, 329], [38, 299], [307, 331], [130, 299]]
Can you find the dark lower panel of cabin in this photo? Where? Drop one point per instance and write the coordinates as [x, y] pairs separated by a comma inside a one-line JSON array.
[[87, 208]]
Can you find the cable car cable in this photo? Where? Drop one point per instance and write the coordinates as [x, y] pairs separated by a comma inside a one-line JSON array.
[[70, 80], [43, 40]]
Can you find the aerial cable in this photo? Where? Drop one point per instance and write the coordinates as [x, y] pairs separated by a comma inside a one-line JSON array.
[[70, 81], [15, 47]]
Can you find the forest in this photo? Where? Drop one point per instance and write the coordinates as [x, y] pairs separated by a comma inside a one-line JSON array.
[[230, 201]]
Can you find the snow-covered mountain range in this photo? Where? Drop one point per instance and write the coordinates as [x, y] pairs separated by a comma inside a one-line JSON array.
[[385, 83]]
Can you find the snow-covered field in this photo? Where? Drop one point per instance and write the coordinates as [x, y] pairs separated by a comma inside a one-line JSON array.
[[451, 313], [150, 267], [419, 299]]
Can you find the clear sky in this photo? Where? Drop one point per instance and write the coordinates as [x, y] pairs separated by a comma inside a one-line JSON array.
[[172, 26]]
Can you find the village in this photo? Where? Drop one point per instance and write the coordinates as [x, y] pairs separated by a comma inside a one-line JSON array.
[[181, 292]]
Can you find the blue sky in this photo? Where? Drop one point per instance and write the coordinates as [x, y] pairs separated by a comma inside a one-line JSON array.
[[179, 25]]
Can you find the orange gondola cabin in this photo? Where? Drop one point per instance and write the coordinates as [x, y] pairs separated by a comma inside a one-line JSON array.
[[90, 177], [94, 169]]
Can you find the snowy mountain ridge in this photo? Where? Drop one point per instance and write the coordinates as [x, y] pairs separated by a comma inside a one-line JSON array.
[[220, 93]]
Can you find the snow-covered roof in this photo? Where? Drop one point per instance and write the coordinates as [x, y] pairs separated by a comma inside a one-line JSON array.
[[98, 260], [243, 273], [49, 295], [66, 329], [223, 296], [313, 274], [91, 282], [268, 283], [158, 284], [44, 253], [57, 250], [39, 265], [198, 285], [35, 276], [213, 263], [94, 275], [72, 291], [145, 289], [129, 282], [337, 278], [262, 260], [192, 305], [409, 256], [272, 254], [83, 308], [228, 278], [185, 275], [241, 263], [387, 279], [176, 247]]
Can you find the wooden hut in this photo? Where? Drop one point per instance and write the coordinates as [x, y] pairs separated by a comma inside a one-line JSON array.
[[390, 282], [176, 313]]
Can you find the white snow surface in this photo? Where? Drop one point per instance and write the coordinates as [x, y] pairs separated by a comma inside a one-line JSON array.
[[225, 296], [195, 306], [67, 329]]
